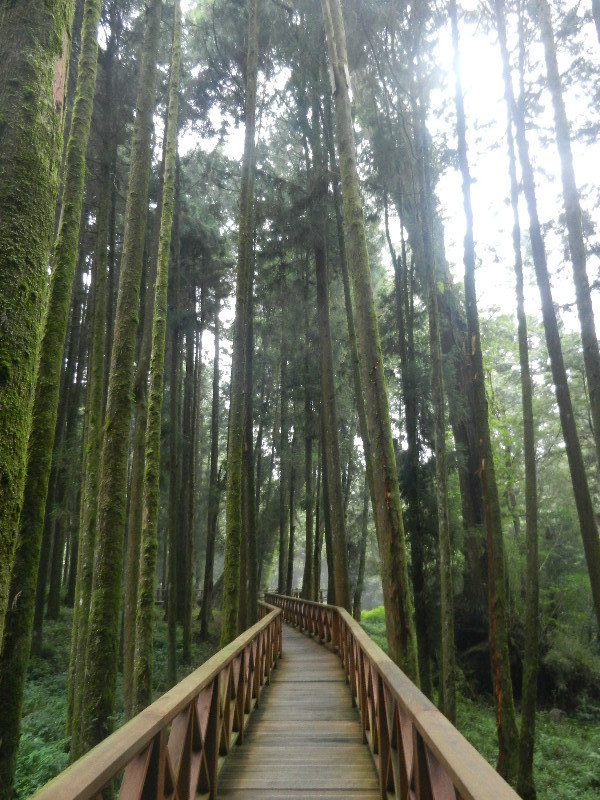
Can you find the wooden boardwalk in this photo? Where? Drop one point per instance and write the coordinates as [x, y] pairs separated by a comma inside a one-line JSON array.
[[304, 741]]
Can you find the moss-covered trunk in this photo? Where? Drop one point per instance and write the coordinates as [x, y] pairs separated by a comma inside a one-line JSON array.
[[103, 635], [41, 436], [245, 266], [93, 416], [138, 456], [149, 542], [67, 379], [396, 590], [34, 55], [67, 455]]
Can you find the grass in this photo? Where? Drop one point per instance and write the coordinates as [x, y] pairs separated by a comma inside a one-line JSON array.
[[567, 753], [44, 746]]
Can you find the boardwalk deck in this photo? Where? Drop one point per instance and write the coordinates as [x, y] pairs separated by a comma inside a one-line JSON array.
[[304, 741]]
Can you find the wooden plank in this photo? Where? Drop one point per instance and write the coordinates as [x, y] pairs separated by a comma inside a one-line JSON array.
[[304, 740]]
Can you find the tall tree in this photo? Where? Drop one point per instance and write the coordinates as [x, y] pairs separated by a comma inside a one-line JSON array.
[[506, 723], [581, 491], [17, 642], [103, 635], [149, 543], [213, 491], [245, 266], [392, 548], [34, 57], [525, 777], [328, 393], [577, 249]]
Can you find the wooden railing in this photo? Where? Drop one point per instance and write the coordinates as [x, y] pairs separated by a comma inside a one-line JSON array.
[[417, 752], [174, 749]]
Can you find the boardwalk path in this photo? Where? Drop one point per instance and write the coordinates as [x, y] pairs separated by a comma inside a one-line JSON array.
[[304, 741]]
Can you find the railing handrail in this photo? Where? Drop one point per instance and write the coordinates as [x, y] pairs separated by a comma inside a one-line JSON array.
[[471, 775], [88, 775]]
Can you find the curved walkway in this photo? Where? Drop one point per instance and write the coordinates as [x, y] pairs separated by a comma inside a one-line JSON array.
[[304, 741]]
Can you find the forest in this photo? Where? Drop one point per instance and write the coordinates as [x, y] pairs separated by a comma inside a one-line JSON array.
[[300, 296]]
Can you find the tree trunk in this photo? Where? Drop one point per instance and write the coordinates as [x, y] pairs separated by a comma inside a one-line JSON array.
[[426, 204], [583, 502], [16, 644], [149, 542], [213, 494], [414, 513], [103, 635], [525, 779], [174, 447], [34, 54], [506, 723], [93, 421], [289, 581], [325, 510], [186, 533], [249, 589], [307, 577], [392, 548], [231, 569], [134, 516], [283, 456], [364, 531], [591, 354], [318, 525]]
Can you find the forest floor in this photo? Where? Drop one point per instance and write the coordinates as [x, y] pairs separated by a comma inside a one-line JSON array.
[[567, 752], [567, 756], [44, 747]]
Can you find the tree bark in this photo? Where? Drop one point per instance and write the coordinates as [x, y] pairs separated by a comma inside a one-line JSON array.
[[506, 723], [525, 778], [392, 548], [213, 494], [149, 542], [34, 55], [103, 635], [583, 501], [364, 531], [591, 354], [174, 446], [231, 569]]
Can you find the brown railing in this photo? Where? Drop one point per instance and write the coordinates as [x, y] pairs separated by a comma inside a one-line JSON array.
[[417, 752], [174, 749]]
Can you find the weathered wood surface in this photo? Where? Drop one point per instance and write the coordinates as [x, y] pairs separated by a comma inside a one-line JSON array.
[[417, 752], [304, 740]]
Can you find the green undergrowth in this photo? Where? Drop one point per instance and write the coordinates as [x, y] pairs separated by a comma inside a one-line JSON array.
[[44, 747], [567, 754]]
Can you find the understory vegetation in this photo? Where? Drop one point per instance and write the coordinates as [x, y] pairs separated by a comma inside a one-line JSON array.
[[567, 747], [44, 746]]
